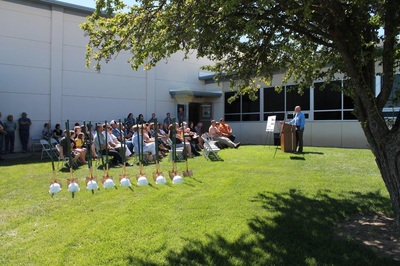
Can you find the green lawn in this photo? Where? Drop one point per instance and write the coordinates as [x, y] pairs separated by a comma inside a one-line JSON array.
[[250, 209]]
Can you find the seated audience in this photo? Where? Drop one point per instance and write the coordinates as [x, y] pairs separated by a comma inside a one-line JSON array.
[[145, 147], [114, 142], [115, 130], [199, 128], [140, 119], [80, 140], [152, 119], [226, 130], [148, 137], [129, 121], [216, 135], [76, 154], [103, 147], [58, 133], [195, 137], [179, 139], [80, 150], [89, 138], [189, 138], [46, 132]]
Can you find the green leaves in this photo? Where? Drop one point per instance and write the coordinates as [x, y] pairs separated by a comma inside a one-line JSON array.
[[310, 40]]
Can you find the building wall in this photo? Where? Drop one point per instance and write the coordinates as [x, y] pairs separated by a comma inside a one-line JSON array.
[[43, 72]]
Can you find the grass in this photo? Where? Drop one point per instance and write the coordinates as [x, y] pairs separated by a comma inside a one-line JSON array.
[[253, 208]]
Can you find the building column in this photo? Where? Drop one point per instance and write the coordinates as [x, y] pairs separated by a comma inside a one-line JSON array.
[[151, 97], [56, 62]]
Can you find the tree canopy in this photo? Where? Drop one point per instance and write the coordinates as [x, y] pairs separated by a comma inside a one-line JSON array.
[[250, 40]]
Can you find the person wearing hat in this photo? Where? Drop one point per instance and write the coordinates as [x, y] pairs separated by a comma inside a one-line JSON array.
[[24, 124]]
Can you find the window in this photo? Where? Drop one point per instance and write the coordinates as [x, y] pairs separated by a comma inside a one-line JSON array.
[[330, 103], [293, 98], [396, 86], [274, 104], [233, 107], [273, 101], [329, 98], [242, 109]]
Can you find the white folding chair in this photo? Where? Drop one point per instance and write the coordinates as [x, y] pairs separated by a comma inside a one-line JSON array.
[[53, 142], [179, 151], [210, 147], [48, 149]]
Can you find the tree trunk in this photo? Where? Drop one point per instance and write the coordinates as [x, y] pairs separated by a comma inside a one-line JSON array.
[[387, 157]]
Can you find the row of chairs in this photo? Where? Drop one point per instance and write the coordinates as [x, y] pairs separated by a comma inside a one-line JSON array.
[[55, 151]]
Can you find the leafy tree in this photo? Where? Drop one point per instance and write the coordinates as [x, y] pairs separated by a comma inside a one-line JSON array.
[[249, 40]]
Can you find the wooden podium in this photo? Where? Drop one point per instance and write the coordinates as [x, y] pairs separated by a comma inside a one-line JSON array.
[[288, 137]]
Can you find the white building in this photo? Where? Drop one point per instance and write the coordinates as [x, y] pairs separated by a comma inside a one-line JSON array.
[[43, 73]]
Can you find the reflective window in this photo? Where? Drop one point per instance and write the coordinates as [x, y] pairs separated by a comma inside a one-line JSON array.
[[243, 108], [293, 98]]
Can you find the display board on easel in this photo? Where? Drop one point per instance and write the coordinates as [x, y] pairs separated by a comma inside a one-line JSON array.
[[271, 123], [270, 128]]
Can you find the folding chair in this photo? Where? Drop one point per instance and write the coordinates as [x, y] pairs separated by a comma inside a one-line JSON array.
[[210, 147], [48, 149], [53, 142], [63, 158], [136, 156], [179, 151]]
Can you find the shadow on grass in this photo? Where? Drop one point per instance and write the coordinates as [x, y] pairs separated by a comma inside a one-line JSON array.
[[298, 230], [25, 159], [313, 152], [299, 158], [214, 158]]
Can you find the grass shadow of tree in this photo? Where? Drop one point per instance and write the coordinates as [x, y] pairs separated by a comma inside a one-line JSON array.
[[301, 231], [28, 159]]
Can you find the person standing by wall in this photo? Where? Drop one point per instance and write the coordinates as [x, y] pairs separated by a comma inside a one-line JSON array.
[[181, 116], [10, 126], [167, 122], [24, 124], [299, 121]]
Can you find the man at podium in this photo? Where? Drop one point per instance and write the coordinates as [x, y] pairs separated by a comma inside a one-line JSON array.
[[299, 121]]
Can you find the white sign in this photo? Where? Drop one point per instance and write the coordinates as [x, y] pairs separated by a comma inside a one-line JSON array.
[[271, 123]]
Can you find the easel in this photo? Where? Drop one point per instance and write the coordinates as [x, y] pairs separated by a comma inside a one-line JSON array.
[[270, 129]]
